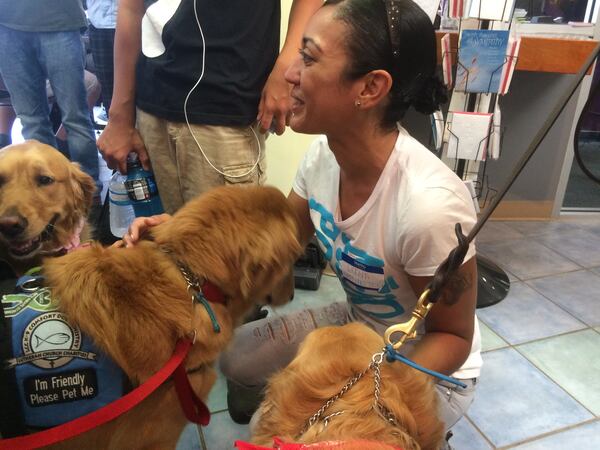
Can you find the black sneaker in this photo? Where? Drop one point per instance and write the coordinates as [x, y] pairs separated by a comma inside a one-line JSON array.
[[243, 401]]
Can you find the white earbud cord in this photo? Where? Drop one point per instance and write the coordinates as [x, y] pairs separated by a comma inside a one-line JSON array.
[[186, 115]]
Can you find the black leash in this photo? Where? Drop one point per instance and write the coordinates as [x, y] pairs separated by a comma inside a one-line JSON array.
[[457, 255]]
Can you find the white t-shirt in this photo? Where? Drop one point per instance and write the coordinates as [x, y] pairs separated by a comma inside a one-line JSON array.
[[405, 227]]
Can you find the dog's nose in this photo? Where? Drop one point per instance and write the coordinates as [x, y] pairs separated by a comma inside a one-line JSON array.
[[12, 226]]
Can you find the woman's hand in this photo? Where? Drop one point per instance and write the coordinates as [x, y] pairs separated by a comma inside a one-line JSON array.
[[140, 226]]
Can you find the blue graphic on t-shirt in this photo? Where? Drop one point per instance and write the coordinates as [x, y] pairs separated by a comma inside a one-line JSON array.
[[326, 229], [327, 234], [360, 297], [356, 253]]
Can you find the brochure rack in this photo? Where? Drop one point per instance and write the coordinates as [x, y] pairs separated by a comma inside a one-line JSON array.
[[475, 170]]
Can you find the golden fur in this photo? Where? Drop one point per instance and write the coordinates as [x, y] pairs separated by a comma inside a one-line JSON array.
[[134, 302], [39, 186], [327, 359]]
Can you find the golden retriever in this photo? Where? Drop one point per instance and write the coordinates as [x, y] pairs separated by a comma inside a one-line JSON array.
[[134, 302], [44, 202], [327, 359]]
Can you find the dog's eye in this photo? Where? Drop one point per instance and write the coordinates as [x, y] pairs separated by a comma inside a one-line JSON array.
[[44, 180]]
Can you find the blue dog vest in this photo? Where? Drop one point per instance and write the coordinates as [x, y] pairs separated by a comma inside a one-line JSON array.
[[60, 375]]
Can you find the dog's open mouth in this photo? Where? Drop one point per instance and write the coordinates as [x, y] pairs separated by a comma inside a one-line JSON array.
[[25, 248]]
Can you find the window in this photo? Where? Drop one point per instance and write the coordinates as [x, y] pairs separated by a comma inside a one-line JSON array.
[[559, 11]]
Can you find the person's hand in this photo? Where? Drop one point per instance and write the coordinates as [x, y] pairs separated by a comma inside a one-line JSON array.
[[118, 244], [140, 226], [117, 141], [275, 103]]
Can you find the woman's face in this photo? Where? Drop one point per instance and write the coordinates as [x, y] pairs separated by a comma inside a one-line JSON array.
[[322, 100]]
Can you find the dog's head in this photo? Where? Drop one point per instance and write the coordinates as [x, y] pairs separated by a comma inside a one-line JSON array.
[[242, 239], [327, 359], [43, 199]]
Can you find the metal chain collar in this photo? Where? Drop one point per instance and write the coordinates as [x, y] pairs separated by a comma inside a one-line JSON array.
[[375, 365], [192, 280], [194, 287], [384, 412]]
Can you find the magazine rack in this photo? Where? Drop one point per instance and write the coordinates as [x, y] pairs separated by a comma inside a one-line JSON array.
[[493, 283]]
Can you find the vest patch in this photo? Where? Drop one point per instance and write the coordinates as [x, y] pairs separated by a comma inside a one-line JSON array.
[[49, 342], [61, 388], [60, 374]]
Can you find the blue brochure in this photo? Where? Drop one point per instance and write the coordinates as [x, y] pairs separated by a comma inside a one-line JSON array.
[[481, 60]]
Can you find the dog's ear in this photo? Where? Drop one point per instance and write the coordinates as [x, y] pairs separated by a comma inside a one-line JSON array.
[[83, 187], [272, 248]]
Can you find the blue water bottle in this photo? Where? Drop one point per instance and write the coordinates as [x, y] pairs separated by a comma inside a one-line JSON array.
[[142, 189]]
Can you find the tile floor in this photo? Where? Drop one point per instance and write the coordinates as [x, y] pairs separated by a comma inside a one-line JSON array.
[[540, 384]]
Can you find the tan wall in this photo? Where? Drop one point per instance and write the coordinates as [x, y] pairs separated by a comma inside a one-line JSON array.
[[285, 152], [283, 156]]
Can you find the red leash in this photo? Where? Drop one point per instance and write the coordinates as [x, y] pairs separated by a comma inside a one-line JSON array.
[[193, 407], [195, 410]]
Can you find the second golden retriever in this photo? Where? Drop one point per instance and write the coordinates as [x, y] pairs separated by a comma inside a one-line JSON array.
[[327, 359], [135, 303], [44, 202]]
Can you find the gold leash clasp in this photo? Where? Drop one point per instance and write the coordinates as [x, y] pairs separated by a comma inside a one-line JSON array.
[[409, 328]]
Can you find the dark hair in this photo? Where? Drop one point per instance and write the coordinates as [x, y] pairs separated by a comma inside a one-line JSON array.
[[411, 60]]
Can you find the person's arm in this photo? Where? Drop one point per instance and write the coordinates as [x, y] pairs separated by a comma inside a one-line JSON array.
[[120, 136], [275, 99], [306, 227], [449, 325]]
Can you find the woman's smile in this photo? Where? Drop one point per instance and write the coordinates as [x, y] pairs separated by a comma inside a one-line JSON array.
[[297, 104]]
